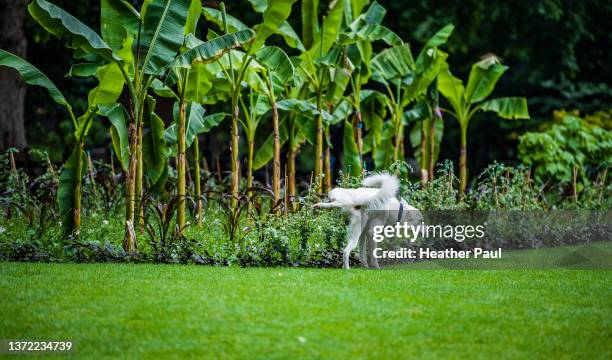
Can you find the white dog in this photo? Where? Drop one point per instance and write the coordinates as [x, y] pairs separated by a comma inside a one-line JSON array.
[[369, 207]]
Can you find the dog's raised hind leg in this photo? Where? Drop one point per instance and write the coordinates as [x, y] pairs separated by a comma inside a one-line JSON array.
[[371, 245], [363, 251], [363, 241], [354, 231]]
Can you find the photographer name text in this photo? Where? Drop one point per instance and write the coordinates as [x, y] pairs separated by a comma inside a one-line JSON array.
[[427, 253]]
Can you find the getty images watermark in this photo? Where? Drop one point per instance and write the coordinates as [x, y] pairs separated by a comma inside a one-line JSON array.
[[491, 239], [410, 232]]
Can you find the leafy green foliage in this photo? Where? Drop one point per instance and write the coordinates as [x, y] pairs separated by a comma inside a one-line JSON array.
[[69, 179], [163, 32], [566, 144], [118, 117], [63, 25], [32, 76], [213, 49]]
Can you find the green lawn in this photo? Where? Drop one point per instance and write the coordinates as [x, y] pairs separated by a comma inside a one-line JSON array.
[[155, 311]]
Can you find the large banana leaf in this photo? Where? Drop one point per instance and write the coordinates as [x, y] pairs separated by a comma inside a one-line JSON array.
[[384, 149], [507, 108], [330, 30], [61, 24], [154, 149], [276, 61], [276, 14], [303, 107], [202, 125], [310, 22], [371, 33], [196, 124], [341, 112], [83, 70], [373, 113], [265, 153], [108, 90], [340, 80], [213, 49], [198, 83], [259, 5], [394, 63], [374, 15], [482, 79], [440, 37], [118, 117], [68, 181], [110, 86], [427, 69], [452, 89], [193, 15], [290, 36], [163, 33], [284, 29], [117, 21], [32, 76], [216, 17], [163, 90], [350, 156]]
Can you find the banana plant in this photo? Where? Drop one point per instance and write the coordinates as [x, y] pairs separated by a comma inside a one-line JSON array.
[[466, 101], [184, 70], [69, 191], [253, 113], [140, 47], [296, 127], [278, 71], [406, 81], [196, 123], [356, 43], [426, 134], [275, 14], [319, 37], [85, 42]]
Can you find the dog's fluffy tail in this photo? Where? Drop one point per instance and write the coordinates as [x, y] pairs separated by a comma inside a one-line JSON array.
[[388, 184]]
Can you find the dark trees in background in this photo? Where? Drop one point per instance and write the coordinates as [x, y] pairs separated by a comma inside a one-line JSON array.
[[12, 88]]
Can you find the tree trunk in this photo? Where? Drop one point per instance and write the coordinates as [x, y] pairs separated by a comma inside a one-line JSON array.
[[357, 134], [399, 130], [235, 154], [196, 178], [138, 186], [319, 147], [13, 89], [77, 190], [129, 241], [328, 172], [250, 164], [463, 162], [432, 148], [180, 164], [291, 155], [424, 175], [276, 174]]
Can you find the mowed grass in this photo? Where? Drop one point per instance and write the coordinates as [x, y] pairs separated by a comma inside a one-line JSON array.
[[163, 311]]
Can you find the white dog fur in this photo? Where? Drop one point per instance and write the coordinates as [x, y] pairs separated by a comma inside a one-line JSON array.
[[369, 207]]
